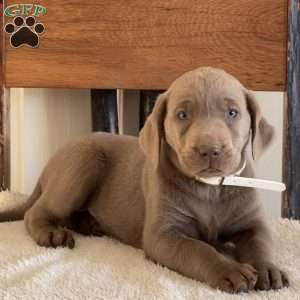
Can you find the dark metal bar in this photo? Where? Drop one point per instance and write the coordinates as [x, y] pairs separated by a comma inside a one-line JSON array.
[[104, 111], [148, 98], [293, 112], [1, 101], [4, 117]]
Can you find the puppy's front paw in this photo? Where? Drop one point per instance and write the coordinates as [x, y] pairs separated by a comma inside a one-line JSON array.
[[270, 277], [55, 238], [234, 277]]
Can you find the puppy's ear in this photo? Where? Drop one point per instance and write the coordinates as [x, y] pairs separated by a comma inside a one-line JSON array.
[[262, 132], [153, 130]]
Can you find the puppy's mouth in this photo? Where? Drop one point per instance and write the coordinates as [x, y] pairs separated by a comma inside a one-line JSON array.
[[210, 172], [225, 166]]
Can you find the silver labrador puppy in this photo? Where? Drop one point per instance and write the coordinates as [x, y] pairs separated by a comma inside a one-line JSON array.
[[145, 192]]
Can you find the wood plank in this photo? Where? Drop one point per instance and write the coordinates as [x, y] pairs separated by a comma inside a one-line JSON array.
[[139, 44], [293, 114]]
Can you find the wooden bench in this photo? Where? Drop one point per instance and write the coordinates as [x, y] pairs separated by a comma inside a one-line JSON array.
[[137, 44]]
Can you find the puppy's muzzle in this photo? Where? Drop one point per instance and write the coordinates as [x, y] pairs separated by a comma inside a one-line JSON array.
[[208, 152]]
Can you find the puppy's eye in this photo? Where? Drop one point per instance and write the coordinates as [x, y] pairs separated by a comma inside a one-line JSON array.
[[232, 114], [182, 115]]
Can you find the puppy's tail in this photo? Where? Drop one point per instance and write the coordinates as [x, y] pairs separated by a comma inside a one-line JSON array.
[[18, 211]]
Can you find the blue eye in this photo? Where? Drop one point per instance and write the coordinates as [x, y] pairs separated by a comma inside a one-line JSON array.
[[232, 113], [182, 115]]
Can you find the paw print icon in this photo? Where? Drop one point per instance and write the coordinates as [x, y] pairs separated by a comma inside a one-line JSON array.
[[24, 32]]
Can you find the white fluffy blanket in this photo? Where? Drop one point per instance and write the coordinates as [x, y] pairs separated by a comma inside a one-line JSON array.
[[102, 268]]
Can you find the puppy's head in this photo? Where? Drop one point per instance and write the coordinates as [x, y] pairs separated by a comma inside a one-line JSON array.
[[206, 118]]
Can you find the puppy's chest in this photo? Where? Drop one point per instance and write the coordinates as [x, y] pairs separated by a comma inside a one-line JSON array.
[[211, 213]]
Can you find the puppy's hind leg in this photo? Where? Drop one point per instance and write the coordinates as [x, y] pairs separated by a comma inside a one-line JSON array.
[[44, 228], [68, 182]]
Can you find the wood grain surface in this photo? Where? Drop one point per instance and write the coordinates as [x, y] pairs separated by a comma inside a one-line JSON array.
[[139, 44]]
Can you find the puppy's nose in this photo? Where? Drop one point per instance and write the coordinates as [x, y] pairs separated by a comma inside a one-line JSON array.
[[211, 152]]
